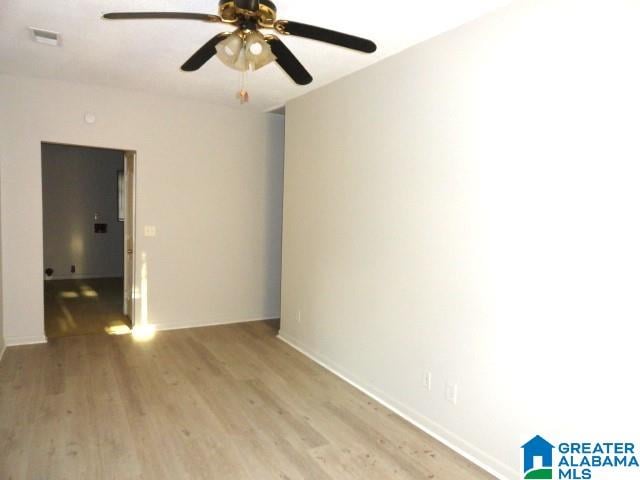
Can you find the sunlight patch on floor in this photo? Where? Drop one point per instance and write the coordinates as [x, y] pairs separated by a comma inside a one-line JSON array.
[[69, 294], [118, 330]]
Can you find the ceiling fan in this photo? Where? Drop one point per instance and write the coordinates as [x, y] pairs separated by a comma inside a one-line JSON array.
[[246, 48]]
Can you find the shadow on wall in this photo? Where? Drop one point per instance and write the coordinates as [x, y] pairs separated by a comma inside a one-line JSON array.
[[272, 218]]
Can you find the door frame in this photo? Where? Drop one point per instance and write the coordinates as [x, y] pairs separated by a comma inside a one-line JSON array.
[[129, 264], [129, 237]]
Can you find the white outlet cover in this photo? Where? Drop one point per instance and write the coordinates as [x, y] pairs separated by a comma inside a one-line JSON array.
[[426, 381], [451, 392], [149, 231]]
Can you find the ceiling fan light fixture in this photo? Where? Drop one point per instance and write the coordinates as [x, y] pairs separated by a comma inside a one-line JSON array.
[[245, 50], [241, 63], [258, 51], [228, 50]]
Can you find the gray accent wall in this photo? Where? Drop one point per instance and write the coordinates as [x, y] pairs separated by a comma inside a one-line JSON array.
[[79, 189]]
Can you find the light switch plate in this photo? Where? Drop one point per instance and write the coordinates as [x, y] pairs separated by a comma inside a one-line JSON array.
[[149, 230]]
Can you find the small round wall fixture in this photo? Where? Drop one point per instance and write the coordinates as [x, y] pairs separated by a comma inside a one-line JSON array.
[[89, 118]]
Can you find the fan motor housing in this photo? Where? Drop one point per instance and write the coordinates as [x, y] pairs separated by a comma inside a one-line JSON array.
[[264, 12]]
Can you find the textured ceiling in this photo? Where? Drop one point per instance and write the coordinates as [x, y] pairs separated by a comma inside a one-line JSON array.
[[147, 54]]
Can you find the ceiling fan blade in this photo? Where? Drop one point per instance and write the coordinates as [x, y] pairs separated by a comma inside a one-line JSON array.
[[324, 35], [205, 17], [204, 54], [288, 61]]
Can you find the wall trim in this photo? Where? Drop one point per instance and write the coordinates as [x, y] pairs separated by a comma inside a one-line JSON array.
[[38, 339], [4, 349], [174, 326], [74, 276], [30, 340], [449, 439]]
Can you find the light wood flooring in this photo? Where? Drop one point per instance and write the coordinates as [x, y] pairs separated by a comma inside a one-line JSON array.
[[228, 402], [83, 307]]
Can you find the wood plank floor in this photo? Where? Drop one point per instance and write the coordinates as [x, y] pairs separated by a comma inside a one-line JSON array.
[[83, 307], [228, 402]]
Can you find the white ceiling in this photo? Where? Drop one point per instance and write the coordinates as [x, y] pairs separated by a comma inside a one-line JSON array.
[[147, 54]]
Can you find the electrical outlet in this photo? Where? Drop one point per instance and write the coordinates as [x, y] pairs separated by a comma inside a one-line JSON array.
[[426, 380], [451, 392]]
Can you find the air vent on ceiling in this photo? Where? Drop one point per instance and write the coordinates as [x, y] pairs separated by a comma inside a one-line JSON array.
[[45, 36]]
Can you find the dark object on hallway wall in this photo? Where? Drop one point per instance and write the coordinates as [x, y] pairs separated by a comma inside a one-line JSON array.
[[100, 228], [49, 271]]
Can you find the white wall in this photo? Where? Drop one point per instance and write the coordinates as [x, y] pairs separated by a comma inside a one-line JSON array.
[[470, 207], [209, 179], [79, 184]]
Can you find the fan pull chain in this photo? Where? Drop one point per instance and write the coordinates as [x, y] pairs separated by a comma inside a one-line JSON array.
[[243, 94]]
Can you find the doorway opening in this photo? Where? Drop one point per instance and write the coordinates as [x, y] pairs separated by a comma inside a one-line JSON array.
[[88, 205]]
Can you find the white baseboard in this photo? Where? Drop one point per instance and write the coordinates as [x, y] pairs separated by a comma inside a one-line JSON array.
[[428, 426], [75, 276], [37, 339], [30, 340], [175, 326]]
